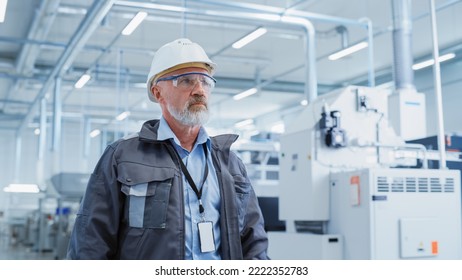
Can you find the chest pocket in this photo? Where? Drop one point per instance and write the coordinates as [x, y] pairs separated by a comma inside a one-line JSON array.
[[148, 192]]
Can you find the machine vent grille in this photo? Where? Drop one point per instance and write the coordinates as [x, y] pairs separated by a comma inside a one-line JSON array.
[[382, 184], [413, 184], [397, 185], [423, 184], [435, 185], [449, 185]]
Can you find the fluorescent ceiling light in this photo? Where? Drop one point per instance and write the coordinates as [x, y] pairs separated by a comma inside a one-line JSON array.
[[3, 10], [278, 127], [133, 24], [82, 81], [22, 188], [243, 123], [140, 85], [254, 132], [245, 94], [94, 133], [72, 11], [348, 51], [249, 38], [430, 62], [152, 6], [122, 116]]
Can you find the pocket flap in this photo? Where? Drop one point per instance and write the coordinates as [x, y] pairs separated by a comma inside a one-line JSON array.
[[134, 173], [138, 190], [241, 184], [239, 179]]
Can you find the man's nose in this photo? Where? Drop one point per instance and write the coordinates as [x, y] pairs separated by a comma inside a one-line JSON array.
[[198, 88]]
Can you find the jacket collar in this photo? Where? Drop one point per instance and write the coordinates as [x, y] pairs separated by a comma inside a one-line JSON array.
[[149, 129], [224, 141]]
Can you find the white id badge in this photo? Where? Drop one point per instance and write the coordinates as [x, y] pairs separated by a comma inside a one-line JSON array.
[[206, 237]]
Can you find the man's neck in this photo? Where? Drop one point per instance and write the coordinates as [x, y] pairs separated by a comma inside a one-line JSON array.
[[187, 135]]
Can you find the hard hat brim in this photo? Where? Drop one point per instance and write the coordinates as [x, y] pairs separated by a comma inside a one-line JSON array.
[[209, 67]]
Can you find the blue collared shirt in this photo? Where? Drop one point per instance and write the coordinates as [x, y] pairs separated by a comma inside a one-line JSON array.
[[195, 163]]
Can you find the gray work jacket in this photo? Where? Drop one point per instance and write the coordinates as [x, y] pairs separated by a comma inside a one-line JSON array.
[[103, 228]]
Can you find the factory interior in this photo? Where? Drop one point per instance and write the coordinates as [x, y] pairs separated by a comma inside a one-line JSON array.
[[348, 115]]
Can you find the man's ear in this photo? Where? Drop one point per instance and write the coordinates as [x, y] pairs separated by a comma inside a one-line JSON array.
[[155, 91]]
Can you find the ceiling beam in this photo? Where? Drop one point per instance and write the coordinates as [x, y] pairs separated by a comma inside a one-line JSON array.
[[95, 14]]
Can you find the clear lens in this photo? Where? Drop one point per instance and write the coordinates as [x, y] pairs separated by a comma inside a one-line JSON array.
[[189, 81]]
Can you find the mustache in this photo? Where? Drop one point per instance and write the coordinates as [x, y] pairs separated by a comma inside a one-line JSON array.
[[197, 99]]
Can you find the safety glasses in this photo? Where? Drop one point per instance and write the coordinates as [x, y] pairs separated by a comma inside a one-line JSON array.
[[188, 81]]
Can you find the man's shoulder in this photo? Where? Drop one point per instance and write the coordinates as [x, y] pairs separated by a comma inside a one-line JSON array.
[[131, 136], [124, 140], [148, 131]]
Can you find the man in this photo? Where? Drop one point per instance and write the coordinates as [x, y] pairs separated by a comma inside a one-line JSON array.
[[171, 191]]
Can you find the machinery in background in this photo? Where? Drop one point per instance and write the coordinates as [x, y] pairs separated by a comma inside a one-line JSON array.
[[43, 221], [453, 146], [343, 196], [30, 217], [409, 106], [44, 224], [20, 218], [70, 188], [396, 214]]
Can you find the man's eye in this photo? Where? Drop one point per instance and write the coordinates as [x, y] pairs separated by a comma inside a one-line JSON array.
[[205, 83], [185, 81]]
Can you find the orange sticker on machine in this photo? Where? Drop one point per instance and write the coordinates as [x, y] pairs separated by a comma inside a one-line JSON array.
[[355, 191], [435, 247], [354, 180]]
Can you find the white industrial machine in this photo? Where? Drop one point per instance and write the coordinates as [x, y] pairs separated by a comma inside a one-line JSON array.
[[348, 189], [397, 214]]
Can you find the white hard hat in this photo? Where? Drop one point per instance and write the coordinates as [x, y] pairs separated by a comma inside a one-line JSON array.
[[181, 53]]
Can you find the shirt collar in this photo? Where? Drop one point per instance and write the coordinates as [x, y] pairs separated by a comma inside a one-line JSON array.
[[165, 132]]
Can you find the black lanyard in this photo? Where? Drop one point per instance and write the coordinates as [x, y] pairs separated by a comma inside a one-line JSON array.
[[197, 191]]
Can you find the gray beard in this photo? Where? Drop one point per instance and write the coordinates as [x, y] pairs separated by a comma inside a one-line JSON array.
[[188, 117]]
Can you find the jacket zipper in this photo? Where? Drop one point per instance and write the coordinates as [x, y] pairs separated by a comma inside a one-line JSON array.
[[174, 155]]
